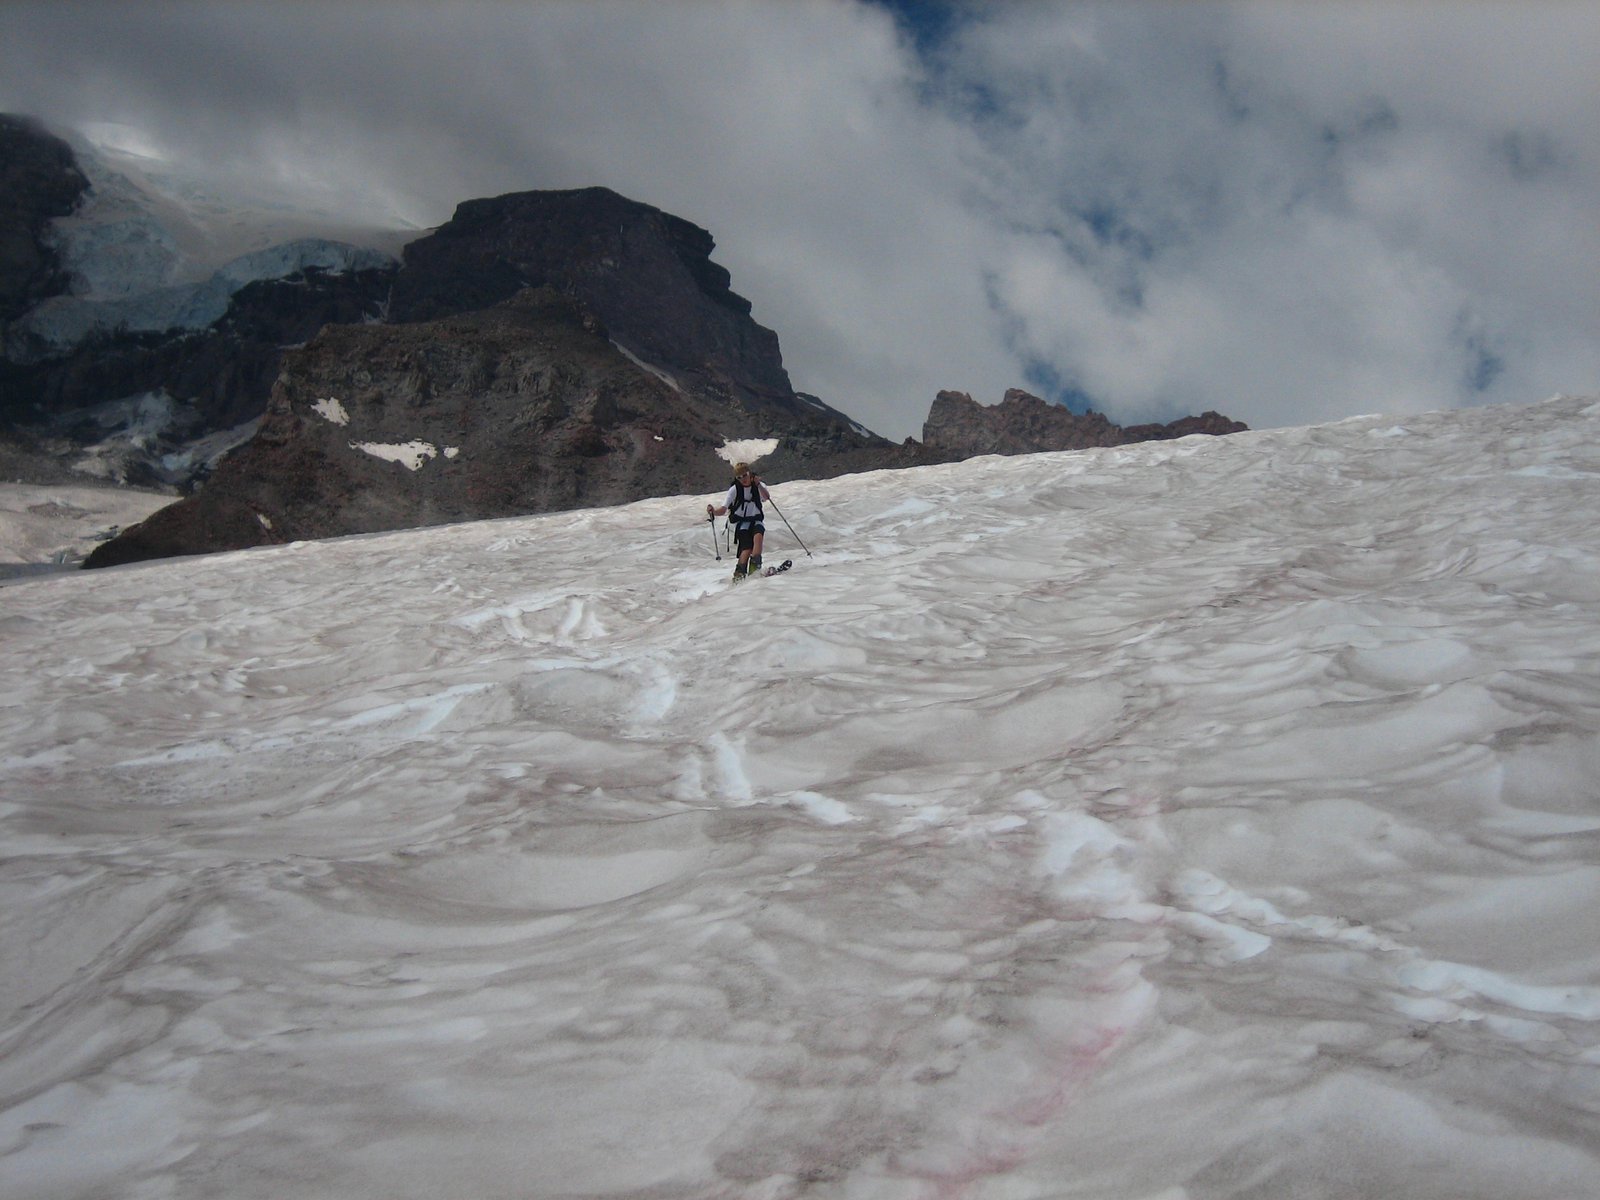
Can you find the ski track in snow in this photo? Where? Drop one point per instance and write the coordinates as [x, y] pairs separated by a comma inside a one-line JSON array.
[[1215, 818]]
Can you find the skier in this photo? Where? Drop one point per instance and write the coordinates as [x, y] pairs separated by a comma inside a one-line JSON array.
[[743, 506]]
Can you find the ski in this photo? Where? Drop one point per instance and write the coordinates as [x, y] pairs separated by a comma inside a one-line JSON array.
[[766, 572]]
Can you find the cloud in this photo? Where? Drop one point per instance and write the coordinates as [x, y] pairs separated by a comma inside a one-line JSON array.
[[1290, 219], [1286, 212]]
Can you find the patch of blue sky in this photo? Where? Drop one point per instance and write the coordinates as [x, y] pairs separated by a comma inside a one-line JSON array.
[[1483, 360], [1528, 154], [1111, 227], [932, 27], [1047, 382], [928, 23]]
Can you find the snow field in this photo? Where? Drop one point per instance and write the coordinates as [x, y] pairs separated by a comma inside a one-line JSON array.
[[42, 524], [1192, 820]]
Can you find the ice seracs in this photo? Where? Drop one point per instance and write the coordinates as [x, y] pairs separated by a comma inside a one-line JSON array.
[[63, 321]]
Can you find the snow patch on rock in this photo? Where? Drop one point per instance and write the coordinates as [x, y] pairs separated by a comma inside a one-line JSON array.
[[642, 365], [747, 449], [329, 408], [410, 455]]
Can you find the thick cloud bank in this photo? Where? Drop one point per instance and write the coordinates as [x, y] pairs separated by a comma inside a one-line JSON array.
[[1284, 212]]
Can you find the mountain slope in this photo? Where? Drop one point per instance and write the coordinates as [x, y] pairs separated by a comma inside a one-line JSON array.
[[1210, 818], [168, 306], [524, 406]]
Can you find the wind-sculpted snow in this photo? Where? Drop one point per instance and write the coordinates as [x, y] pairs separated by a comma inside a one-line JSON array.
[[1190, 820]]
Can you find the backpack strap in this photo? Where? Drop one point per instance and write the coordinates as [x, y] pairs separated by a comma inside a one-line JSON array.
[[741, 499]]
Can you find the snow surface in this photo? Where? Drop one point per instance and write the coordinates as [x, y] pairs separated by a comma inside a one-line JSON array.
[[746, 450], [40, 524], [331, 408], [410, 455], [1190, 820]]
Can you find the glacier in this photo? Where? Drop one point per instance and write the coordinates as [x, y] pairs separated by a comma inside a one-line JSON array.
[[152, 249]]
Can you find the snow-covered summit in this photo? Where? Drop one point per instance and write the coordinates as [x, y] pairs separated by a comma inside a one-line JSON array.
[[153, 248], [204, 220]]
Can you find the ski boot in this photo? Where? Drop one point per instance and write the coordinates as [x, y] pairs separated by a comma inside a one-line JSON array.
[[755, 564]]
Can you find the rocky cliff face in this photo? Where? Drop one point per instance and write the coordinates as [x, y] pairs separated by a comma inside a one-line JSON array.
[[39, 181], [1020, 424], [649, 278], [205, 382], [526, 406], [960, 427], [646, 274]]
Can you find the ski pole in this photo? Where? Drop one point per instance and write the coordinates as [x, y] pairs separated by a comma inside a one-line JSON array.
[[785, 520], [711, 520]]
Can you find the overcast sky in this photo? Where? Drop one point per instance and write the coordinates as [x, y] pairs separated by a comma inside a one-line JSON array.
[[1289, 212]]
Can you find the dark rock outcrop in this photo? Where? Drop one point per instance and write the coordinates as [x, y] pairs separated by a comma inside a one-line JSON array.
[[617, 372], [646, 274], [39, 181], [1020, 424], [1209, 422], [960, 427]]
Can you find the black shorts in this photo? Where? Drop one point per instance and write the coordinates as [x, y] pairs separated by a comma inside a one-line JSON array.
[[745, 535]]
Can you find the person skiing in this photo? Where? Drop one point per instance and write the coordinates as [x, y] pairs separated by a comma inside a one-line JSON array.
[[743, 506]]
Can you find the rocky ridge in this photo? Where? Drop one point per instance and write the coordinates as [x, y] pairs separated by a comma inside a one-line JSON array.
[[1023, 423]]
